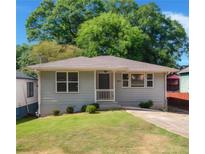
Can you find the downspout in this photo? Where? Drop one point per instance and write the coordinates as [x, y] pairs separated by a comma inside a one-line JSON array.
[[95, 86], [39, 94], [165, 91]]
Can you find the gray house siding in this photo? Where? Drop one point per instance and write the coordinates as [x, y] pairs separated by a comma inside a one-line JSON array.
[[50, 100], [132, 96]]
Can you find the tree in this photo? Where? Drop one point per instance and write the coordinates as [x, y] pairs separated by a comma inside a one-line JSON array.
[[110, 34], [60, 21], [36, 29], [125, 7], [47, 51], [168, 39], [22, 52]]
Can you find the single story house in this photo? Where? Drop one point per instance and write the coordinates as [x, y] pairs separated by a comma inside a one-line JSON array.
[[173, 82], [103, 79], [26, 95], [184, 80]]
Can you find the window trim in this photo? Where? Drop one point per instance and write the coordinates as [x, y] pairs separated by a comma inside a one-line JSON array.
[[28, 88], [150, 80], [66, 92], [129, 79], [125, 80]]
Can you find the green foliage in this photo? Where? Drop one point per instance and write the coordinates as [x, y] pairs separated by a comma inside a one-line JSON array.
[[47, 51], [146, 104], [110, 34], [60, 21], [96, 105], [36, 29], [22, 55], [125, 7], [168, 39], [147, 35], [91, 109], [23, 59], [56, 112], [83, 108], [69, 109]]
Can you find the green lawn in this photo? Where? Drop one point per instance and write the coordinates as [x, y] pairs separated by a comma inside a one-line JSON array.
[[105, 132]]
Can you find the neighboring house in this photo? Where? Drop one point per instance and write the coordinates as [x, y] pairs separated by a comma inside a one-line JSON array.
[[103, 79], [184, 80], [26, 95], [173, 82]]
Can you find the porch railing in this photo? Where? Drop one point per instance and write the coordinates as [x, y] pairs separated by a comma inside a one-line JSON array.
[[105, 94]]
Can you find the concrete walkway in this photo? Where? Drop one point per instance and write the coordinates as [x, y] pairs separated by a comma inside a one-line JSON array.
[[173, 122]]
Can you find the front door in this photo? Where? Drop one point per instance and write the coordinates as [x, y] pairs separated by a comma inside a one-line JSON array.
[[104, 81]]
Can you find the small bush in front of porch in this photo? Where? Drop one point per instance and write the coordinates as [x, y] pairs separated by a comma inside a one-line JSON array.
[[83, 108], [91, 108], [69, 109], [96, 105], [56, 112], [146, 104]]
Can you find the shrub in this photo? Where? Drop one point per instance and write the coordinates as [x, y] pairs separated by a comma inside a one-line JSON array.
[[91, 108], [83, 108], [56, 112], [146, 104], [69, 109], [96, 105]]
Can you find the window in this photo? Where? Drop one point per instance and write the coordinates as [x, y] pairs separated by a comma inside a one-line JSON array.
[[137, 80], [125, 80], [149, 80], [67, 81], [61, 82], [72, 82], [30, 89]]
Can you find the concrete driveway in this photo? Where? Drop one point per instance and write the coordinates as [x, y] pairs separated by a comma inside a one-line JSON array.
[[173, 122]]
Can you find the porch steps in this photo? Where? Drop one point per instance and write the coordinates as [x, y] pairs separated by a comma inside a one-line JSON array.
[[109, 105]]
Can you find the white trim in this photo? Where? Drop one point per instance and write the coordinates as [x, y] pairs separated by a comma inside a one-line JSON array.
[[109, 100], [39, 93], [66, 92], [125, 80], [165, 91], [95, 85], [129, 79], [150, 80], [104, 89], [113, 84]]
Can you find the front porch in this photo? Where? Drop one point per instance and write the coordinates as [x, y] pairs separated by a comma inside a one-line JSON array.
[[104, 82]]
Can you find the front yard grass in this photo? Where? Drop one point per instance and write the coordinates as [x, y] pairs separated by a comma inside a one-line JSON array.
[[105, 132]]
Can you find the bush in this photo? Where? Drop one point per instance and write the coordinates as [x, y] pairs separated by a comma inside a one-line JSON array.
[[91, 108], [69, 109], [146, 104], [83, 108], [96, 105], [56, 112]]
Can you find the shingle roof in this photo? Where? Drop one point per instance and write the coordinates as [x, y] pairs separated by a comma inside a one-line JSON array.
[[102, 62], [185, 70], [21, 75]]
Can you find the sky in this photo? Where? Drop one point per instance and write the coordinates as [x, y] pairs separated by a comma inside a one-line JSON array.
[[175, 9]]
